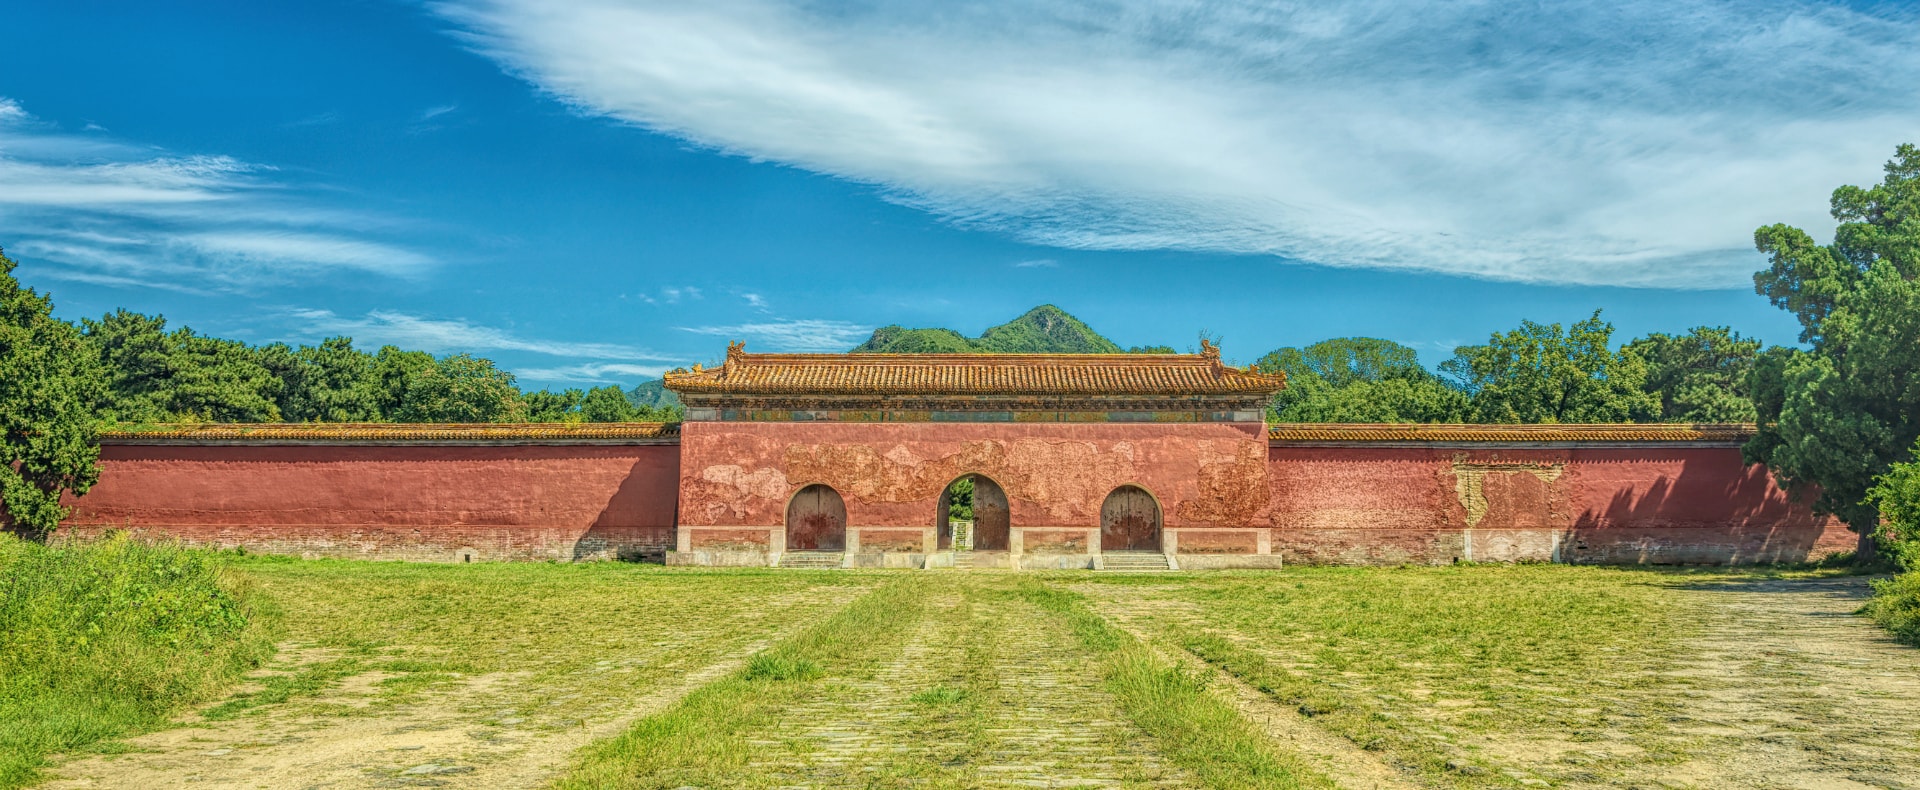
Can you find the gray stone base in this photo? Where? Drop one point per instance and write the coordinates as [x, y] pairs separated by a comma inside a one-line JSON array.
[[891, 559], [1214, 562], [720, 559]]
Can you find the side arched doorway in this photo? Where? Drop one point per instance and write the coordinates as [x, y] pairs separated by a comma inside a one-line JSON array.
[[986, 502], [816, 520], [1130, 521]]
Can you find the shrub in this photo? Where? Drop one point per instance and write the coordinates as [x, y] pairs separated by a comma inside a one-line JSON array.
[[1896, 495], [1896, 607], [106, 638]]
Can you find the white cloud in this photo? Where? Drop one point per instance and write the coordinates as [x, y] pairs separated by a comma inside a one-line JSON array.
[[1622, 141], [1039, 263], [594, 373], [115, 214], [431, 113], [756, 301], [444, 336], [791, 335]]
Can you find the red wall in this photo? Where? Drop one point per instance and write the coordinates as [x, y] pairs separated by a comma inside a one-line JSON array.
[[1647, 504], [1221, 485], [403, 502], [891, 474]]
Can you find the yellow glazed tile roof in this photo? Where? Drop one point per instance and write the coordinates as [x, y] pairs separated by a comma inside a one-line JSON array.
[[1609, 432], [350, 432], [974, 374]]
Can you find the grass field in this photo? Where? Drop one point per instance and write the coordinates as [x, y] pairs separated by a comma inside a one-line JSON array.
[[614, 675]]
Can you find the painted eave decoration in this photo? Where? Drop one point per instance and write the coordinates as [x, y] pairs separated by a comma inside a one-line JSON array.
[[1119, 375]]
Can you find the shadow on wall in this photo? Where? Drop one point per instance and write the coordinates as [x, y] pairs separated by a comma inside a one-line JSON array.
[[1708, 513], [637, 523]]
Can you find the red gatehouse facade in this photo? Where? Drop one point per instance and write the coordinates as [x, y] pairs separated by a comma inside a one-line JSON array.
[[1076, 461], [1177, 443]]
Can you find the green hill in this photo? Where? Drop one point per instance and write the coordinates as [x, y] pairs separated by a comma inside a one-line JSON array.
[[1043, 330], [652, 395]]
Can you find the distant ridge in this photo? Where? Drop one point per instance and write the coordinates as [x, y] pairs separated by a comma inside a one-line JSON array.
[[1043, 330]]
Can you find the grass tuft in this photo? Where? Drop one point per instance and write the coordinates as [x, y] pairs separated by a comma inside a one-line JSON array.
[[772, 666], [941, 696], [107, 638]]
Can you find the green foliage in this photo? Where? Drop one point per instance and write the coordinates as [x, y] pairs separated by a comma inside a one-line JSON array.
[[1896, 495], [1896, 606], [960, 500], [549, 406], [1043, 330], [1542, 373], [460, 388], [103, 639], [1700, 376], [155, 375], [331, 382], [1359, 379], [50, 383], [609, 404], [1841, 413]]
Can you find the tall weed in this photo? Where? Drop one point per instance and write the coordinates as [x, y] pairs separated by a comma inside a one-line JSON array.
[[106, 638]]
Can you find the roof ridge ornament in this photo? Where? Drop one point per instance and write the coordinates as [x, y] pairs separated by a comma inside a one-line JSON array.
[[736, 351], [1208, 350]]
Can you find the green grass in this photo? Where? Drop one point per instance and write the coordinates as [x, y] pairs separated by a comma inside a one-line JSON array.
[[703, 741], [1424, 665], [1896, 606], [1193, 728], [105, 639]]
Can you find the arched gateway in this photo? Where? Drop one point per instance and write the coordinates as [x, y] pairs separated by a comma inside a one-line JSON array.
[[816, 520], [892, 432], [1130, 521]]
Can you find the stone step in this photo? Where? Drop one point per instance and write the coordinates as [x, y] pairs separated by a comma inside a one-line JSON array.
[[963, 559], [1133, 561], [812, 559]]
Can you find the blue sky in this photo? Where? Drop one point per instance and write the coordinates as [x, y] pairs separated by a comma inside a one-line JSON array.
[[591, 192]]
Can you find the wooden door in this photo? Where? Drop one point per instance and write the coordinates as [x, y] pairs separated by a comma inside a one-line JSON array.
[[1129, 521], [816, 520], [991, 520]]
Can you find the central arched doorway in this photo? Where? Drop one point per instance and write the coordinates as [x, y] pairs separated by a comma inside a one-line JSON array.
[[978, 497], [816, 520], [1130, 521]]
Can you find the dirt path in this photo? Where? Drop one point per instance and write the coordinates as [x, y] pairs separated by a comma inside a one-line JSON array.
[[1792, 690], [497, 730]]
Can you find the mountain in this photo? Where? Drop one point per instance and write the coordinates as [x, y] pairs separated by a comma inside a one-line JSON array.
[[1043, 330], [652, 395]]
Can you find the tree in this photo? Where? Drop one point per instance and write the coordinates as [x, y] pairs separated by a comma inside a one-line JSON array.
[[156, 375], [1359, 379], [394, 371], [1896, 495], [1542, 373], [1840, 413], [1700, 376], [137, 356], [550, 406], [461, 388], [331, 382], [50, 384], [608, 404]]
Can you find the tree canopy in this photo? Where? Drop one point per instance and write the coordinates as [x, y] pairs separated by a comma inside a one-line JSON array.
[[1543, 373], [1841, 412], [50, 385]]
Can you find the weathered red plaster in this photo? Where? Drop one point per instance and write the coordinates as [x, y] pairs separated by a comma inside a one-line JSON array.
[[891, 474], [1642, 504], [414, 502]]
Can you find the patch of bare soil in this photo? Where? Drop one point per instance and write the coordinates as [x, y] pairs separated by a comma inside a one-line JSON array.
[[1791, 689]]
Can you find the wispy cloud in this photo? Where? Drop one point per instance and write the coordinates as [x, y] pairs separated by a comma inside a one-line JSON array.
[[444, 336], [756, 301], [594, 373], [111, 213], [791, 335], [1038, 263], [672, 295], [431, 113], [1623, 142]]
